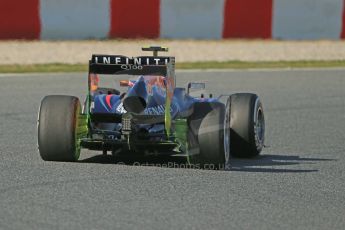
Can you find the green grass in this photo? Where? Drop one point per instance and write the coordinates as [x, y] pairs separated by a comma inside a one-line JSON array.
[[58, 67]]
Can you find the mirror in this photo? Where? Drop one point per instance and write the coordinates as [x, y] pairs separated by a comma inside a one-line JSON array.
[[196, 85]]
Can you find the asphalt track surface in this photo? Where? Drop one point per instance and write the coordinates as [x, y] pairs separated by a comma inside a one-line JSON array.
[[297, 183]]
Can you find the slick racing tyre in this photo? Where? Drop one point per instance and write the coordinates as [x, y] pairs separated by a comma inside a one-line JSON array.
[[57, 128], [247, 125], [206, 136]]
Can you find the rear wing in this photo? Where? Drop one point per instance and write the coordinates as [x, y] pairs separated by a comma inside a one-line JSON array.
[[144, 65]]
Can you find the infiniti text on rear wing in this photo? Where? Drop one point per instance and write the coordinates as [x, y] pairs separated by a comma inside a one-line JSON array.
[[144, 65]]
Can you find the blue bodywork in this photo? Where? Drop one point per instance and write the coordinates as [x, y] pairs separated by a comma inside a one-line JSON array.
[[155, 101]]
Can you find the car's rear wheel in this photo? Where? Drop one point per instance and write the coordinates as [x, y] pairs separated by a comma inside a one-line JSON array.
[[57, 128], [206, 144], [247, 125]]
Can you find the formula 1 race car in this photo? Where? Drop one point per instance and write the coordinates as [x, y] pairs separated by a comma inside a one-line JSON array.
[[151, 117]]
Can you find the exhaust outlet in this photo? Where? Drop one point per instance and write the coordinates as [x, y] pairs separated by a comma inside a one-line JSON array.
[[134, 104], [136, 98]]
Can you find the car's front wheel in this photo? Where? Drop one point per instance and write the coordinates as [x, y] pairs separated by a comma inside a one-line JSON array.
[[247, 125]]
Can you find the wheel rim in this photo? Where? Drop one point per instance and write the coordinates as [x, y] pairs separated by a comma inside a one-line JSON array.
[[260, 126]]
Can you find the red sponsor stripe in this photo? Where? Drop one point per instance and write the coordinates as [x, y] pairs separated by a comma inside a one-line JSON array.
[[108, 100], [247, 19], [19, 19], [135, 18], [343, 23]]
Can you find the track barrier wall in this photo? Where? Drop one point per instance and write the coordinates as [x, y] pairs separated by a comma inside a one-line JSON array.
[[172, 19]]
